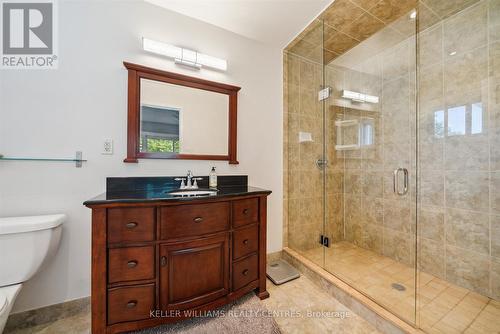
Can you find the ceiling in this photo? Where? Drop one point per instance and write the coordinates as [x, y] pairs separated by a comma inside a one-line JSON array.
[[273, 22]]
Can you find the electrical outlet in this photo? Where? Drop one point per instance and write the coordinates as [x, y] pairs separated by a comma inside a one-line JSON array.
[[107, 147]]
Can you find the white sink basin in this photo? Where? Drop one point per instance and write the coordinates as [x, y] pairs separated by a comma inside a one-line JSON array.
[[189, 193]]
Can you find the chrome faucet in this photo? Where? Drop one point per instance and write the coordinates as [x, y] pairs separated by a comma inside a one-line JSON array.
[[189, 178], [189, 184]]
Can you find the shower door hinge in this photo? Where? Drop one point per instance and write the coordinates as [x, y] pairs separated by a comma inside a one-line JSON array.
[[325, 241], [324, 93]]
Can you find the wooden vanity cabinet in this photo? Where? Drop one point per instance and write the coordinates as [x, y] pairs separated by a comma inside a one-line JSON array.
[[156, 262]]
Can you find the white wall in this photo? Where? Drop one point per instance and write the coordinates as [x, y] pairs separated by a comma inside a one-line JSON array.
[[56, 112]]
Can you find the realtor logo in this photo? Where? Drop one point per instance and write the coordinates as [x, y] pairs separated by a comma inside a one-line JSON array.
[[28, 34]]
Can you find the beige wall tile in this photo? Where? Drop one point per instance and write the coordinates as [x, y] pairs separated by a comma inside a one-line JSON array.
[[372, 184], [372, 211], [399, 246], [397, 216], [390, 10], [430, 43], [468, 269], [431, 257], [396, 61], [468, 230], [341, 13], [495, 236], [467, 30], [467, 190], [363, 27], [494, 20], [431, 225], [495, 282], [449, 7], [495, 192], [467, 153], [465, 73], [431, 83], [431, 154]]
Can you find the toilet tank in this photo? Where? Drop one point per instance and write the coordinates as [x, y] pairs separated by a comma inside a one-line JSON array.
[[25, 244]]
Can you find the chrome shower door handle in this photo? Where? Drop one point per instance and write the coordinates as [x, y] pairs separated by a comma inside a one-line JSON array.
[[396, 181], [406, 181]]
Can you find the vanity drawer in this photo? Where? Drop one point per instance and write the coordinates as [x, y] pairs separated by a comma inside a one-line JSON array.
[[130, 303], [245, 211], [131, 263], [245, 271], [245, 241], [131, 224], [194, 219]]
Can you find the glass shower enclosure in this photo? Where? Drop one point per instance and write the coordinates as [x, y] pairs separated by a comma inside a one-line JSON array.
[[391, 154]]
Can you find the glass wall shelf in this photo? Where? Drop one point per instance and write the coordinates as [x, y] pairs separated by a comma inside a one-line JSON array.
[[77, 159]]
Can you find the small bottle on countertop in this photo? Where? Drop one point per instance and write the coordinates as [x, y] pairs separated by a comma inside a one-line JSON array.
[[212, 178]]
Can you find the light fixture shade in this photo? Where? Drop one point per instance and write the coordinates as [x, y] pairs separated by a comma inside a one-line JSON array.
[[359, 97], [161, 48], [213, 62], [184, 56]]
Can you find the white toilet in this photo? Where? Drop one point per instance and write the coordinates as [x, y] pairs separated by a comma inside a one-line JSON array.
[[25, 243]]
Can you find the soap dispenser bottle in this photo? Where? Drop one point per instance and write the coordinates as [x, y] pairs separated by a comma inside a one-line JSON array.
[[212, 178]]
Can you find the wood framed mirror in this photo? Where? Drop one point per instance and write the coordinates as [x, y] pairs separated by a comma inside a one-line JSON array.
[[175, 116]]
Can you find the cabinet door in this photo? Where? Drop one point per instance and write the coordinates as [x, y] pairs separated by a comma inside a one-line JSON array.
[[194, 273]]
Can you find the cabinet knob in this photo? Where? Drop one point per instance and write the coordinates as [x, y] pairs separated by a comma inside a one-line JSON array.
[[245, 242], [131, 225], [245, 272], [245, 211], [132, 304], [198, 219], [132, 264], [163, 261]]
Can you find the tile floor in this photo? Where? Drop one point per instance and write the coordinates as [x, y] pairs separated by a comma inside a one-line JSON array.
[[444, 307], [314, 310], [289, 304]]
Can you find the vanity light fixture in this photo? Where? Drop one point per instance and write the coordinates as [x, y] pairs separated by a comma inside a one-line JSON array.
[[184, 56], [359, 97]]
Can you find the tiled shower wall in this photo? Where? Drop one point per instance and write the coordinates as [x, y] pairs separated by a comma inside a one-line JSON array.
[[303, 180], [459, 141], [458, 150], [374, 217]]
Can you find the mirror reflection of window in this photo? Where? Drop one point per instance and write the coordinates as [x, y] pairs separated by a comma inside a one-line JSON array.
[[459, 121], [456, 121], [439, 123], [160, 129], [477, 118]]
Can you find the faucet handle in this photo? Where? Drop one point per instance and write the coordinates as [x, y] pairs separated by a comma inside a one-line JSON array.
[[195, 183], [183, 184]]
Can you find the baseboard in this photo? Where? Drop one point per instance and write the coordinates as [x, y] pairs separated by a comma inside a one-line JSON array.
[[46, 314]]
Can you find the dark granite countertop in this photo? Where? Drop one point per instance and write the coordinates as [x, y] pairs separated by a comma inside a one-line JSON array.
[[148, 189]]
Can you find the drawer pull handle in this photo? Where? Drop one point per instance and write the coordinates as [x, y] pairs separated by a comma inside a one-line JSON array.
[[163, 261], [132, 304], [132, 264], [198, 219], [245, 211], [245, 272], [245, 242], [131, 225]]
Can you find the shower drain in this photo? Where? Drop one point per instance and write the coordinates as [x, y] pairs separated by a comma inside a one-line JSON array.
[[399, 287]]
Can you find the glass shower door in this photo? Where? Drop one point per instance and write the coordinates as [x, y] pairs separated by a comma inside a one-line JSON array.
[[371, 149], [304, 148]]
